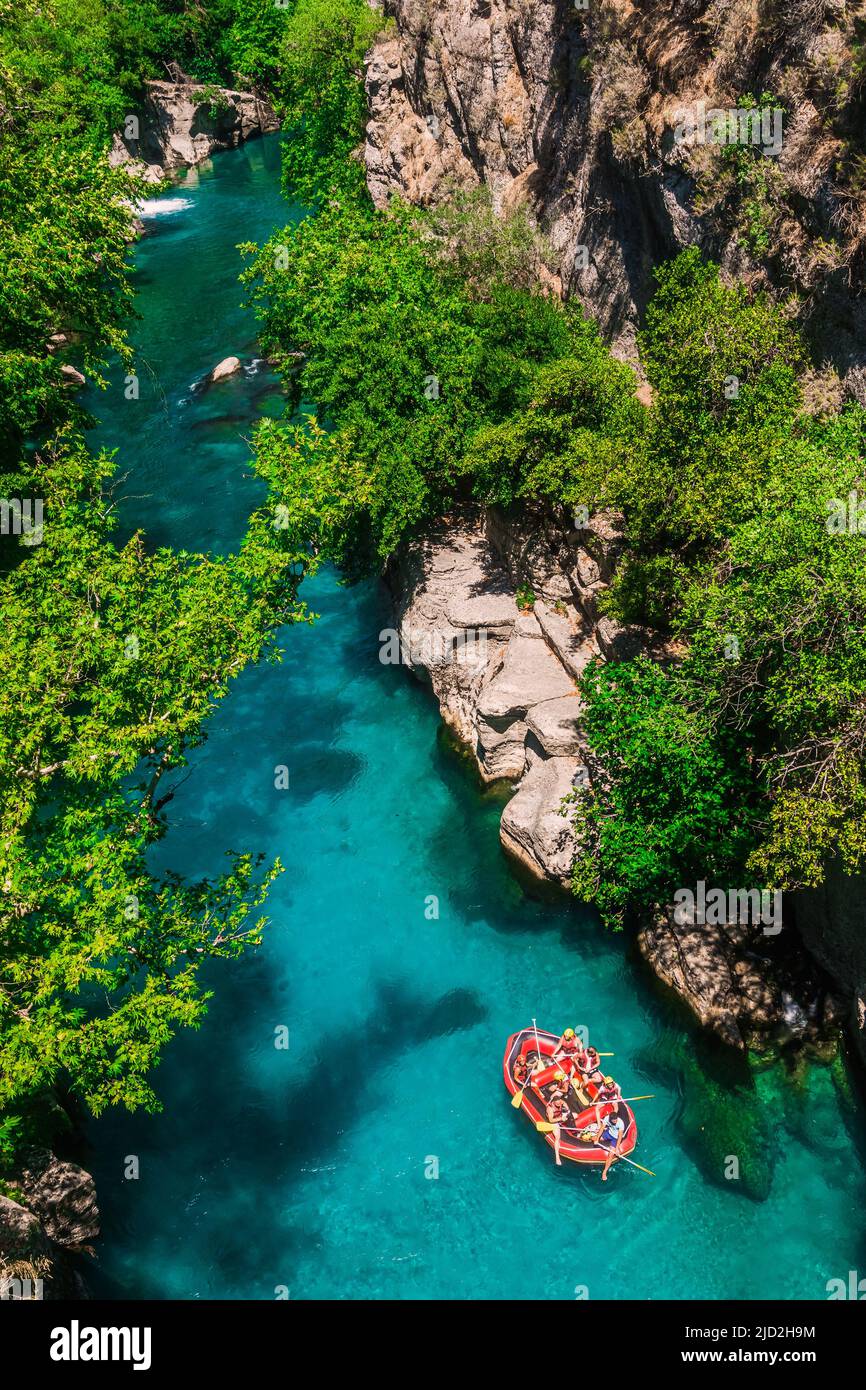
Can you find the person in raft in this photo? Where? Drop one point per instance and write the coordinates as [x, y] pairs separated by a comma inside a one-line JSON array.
[[590, 1066], [608, 1094], [521, 1069], [557, 1111], [567, 1047], [611, 1133]]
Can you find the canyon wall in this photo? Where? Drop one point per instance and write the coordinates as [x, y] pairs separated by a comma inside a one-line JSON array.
[[575, 107], [499, 613]]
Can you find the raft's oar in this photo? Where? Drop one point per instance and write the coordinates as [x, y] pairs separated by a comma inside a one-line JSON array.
[[623, 1100], [624, 1158], [518, 1095], [545, 1126]]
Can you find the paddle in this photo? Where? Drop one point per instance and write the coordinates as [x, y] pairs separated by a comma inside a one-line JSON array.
[[518, 1095], [623, 1100], [625, 1159], [545, 1126]]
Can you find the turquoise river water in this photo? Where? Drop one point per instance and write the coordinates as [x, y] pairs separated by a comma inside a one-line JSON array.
[[378, 1157]]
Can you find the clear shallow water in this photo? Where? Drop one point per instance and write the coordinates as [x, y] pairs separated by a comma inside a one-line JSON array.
[[306, 1168]]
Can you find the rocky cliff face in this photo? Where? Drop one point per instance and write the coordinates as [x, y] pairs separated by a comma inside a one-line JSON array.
[[500, 614], [832, 922], [577, 108], [182, 123]]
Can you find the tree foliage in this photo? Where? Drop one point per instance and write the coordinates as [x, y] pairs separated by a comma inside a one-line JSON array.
[[112, 655], [728, 503], [401, 359]]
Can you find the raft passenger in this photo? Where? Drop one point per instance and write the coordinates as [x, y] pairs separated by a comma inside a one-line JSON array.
[[567, 1048], [521, 1069], [558, 1112], [590, 1070], [611, 1133], [609, 1093]]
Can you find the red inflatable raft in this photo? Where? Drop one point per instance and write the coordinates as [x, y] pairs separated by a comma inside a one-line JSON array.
[[539, 1090]]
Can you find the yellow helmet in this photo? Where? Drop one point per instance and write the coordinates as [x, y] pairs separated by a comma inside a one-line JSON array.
[[569, 1033], [559, 1076], [608, 1081]]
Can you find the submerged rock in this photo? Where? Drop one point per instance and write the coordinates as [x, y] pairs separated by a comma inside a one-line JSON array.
[[730, 1134], [725, 1123]]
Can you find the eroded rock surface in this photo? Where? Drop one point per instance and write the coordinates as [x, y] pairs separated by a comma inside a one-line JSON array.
[[506, 682], [183, 123], [506, 679], [747, 987], [63, 1197], [577, 111], [832, 922]]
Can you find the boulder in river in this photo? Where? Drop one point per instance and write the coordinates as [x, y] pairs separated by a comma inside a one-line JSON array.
[[227, 367]]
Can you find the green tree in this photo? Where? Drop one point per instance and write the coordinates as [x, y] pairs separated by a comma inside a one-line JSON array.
[[321, 95], [400, 359]]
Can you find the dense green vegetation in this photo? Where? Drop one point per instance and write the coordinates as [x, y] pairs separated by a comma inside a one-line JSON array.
[[403, 360], [727, 503], [111, 654], [741, 759]]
